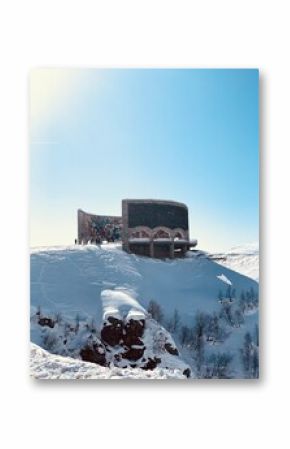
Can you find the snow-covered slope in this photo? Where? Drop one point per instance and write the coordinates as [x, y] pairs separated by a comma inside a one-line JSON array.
[[87, 284], [44, 365], [243, 259], [70, 280]]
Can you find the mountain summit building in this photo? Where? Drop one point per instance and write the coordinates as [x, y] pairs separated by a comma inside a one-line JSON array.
[[153, 228]]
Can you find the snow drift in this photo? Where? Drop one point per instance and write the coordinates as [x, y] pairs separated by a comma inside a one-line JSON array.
[[44, 365]]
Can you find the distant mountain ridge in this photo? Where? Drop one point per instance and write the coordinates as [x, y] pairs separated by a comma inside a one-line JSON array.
[[243, 258]]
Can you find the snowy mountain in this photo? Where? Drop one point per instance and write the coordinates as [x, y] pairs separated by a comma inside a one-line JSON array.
[[102, 305], [244, 259]]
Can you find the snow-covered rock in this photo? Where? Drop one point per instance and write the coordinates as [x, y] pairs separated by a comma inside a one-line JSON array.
[[44, 365], [120, 305], [127, 336]]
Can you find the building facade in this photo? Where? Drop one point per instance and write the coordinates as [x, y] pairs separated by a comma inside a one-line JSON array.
[[153, 228]]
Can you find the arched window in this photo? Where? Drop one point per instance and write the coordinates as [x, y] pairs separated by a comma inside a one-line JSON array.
[[140, 234], [161, 234]]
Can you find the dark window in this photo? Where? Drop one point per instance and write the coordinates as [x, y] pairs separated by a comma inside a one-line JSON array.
[[153, 215]]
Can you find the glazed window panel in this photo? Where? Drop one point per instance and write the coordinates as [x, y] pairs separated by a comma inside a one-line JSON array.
[[154, 215]]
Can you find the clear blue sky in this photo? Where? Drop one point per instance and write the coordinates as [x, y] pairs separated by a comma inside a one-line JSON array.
[[98, 136]]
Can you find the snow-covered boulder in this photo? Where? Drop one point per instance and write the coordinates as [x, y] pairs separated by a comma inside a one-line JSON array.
[[123, 319], [94, 352], [132, 338]]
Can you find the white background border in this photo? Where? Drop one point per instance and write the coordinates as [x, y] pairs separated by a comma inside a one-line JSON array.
[[145, 33]]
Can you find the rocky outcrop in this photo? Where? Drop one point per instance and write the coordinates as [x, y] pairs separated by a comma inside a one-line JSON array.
[[171, 349], [125, 337], [112, 331], [187, 372], [124, 342], [44, 321], [94, 353], [151, 363], [133, 353], [133, 331], [141, 343]]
